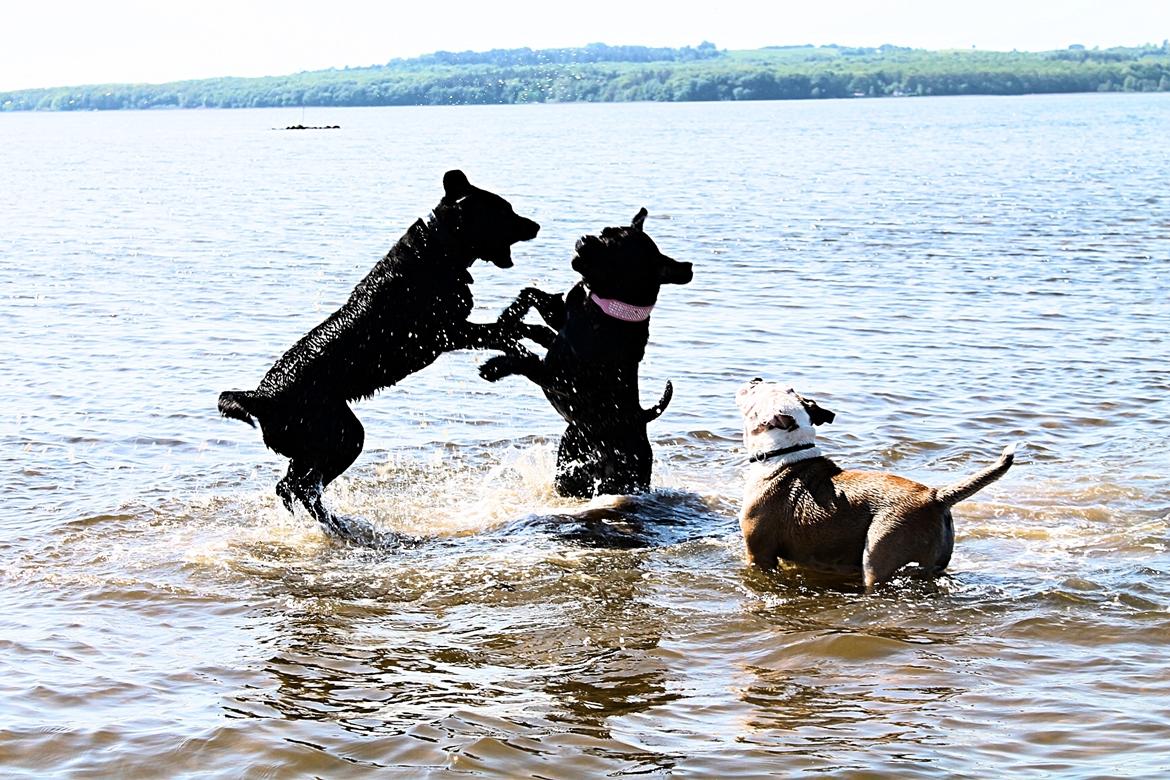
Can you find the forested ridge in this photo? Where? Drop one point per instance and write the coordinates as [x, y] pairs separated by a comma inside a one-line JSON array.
[[601, 73]]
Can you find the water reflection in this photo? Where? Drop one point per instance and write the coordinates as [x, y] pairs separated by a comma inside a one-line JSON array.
[[552, 616], [164, 615]]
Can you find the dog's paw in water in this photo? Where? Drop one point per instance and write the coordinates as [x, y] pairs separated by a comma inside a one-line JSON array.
[[362, 533]]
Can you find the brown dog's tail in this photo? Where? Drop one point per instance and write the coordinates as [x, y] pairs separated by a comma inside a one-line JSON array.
[[239, 405], [655, 411], [964, 489]]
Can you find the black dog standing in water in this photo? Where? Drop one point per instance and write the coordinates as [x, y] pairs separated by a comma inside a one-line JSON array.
[[590, 373], [411, 308]]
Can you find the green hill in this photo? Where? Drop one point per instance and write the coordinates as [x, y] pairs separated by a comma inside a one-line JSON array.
[[600, 73]]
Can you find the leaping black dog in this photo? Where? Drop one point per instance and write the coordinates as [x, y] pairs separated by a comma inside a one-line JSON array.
[[590, 373], [411, 307]]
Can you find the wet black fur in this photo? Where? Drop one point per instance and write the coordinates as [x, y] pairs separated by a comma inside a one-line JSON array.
[[411, 307], [590, 372]]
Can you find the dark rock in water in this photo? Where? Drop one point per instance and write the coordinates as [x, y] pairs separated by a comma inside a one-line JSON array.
[[313, 127]]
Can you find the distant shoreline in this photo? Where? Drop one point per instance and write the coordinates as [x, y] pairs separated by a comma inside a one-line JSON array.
[[600, 73]]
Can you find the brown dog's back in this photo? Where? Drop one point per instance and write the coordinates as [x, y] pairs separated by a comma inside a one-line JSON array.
[[817, 514]]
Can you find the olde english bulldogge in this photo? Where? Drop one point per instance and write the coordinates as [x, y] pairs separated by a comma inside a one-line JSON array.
[[801, 507]]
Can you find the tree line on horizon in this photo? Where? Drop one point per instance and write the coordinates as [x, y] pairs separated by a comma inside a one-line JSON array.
[[600, 73]]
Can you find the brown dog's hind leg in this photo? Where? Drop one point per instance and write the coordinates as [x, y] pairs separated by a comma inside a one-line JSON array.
[[760, 544], [766, 560], [894, 540]]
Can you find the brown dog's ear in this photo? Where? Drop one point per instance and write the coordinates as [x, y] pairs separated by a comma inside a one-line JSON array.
[[639, 219], [455, 184], [816, 415]]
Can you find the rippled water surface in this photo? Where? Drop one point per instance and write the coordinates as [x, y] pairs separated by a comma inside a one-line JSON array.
[[948, 275]]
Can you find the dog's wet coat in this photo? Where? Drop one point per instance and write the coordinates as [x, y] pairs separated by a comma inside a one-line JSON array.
[[799, 506], [590, 371], [409, 309]]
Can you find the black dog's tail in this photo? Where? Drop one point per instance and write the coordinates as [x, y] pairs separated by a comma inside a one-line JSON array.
[[239, 405], [655, 411]]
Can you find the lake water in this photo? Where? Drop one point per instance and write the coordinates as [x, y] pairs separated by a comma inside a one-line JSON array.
[[947, 275]]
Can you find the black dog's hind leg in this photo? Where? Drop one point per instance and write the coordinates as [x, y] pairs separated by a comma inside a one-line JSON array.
[[625, 468], [284, 488], [340, 445], [578, 467], [302, 482], [337, 439]]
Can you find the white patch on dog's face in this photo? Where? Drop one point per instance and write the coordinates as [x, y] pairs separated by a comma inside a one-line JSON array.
[[773, 416]]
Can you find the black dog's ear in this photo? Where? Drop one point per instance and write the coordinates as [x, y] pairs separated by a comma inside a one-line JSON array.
[[455, 184], [589, 245], [588, 250], [674, 272], [816, 415], [639, 219]]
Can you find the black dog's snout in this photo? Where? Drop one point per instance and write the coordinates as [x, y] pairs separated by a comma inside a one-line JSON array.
[[527, 229], [682, 273]]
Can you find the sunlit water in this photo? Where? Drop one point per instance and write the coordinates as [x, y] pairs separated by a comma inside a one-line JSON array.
[[948, 275]]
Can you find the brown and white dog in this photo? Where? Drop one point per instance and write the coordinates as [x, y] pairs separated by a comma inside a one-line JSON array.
[[801, 507]]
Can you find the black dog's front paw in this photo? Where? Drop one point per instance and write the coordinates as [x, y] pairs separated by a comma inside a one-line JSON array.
[[542, 335], [495, 369]]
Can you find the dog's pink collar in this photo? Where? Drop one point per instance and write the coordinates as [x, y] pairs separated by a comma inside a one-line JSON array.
[[621, 310]]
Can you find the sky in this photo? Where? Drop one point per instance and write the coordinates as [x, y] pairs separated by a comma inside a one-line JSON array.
[[47, 43]]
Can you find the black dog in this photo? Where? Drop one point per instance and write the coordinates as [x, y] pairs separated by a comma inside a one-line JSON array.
[[590, 373], [411, 308]]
